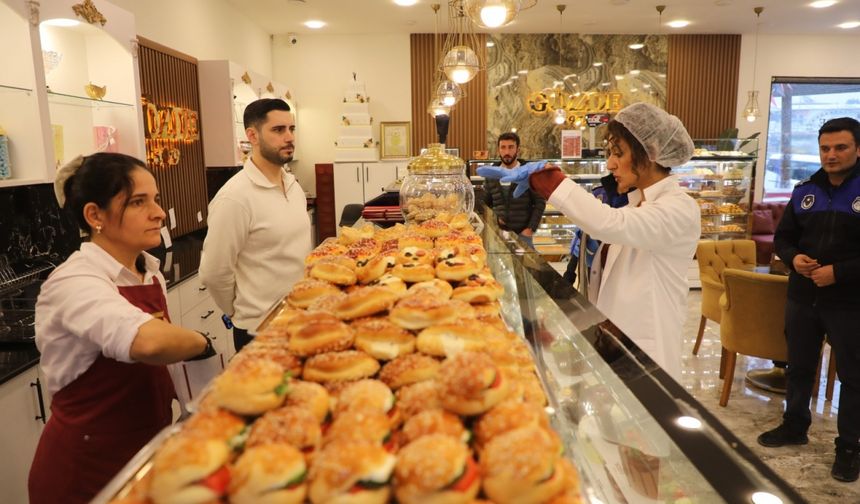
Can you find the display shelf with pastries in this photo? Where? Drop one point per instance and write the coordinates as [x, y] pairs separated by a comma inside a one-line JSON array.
[[720, 177], [434, 365]]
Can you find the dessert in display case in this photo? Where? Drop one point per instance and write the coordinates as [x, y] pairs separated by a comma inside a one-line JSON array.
[[430, 361], [720, 178]]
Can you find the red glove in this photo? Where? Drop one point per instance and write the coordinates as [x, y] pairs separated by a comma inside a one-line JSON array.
[[545, 181]]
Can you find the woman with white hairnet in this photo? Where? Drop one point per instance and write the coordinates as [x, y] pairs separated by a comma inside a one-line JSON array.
[[643, 288]]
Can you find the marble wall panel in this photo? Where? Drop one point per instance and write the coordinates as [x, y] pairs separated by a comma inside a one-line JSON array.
[[567, 58], [33, 225]]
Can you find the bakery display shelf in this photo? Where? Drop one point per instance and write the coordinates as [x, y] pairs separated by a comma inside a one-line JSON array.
[[721, 158], [82, 101]]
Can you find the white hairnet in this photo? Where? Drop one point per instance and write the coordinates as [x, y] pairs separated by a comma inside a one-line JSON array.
[[663, 136]]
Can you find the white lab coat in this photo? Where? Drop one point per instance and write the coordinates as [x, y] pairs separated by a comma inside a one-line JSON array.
[[643, 289]]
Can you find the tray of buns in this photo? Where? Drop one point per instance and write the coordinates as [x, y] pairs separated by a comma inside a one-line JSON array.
[[387, 374]]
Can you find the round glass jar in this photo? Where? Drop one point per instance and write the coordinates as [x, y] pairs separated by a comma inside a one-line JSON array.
[[436, 182]]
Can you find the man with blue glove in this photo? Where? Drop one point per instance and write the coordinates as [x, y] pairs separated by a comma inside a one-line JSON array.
[[506, 190]]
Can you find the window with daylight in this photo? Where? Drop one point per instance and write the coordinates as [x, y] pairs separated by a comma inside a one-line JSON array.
[[798, 108]]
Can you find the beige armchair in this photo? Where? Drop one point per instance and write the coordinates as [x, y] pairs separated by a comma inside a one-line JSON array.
[[714, 257], [752, 320]]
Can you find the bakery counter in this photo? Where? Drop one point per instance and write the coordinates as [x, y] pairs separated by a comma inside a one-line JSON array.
[[633, 434]]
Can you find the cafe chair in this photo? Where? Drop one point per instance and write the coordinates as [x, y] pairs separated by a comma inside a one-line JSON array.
[[752, 320], [713, 258]]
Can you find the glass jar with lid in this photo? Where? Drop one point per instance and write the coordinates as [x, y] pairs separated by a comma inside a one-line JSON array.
[[436, 182]]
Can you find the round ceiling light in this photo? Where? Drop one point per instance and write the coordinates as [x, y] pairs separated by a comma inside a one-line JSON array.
[[678, 23], [636, 46], [460, 64], [822, 4], [406, 3], [314, 24], [849, 25]]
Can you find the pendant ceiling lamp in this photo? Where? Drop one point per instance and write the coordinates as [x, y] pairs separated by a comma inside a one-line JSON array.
[[445, 93], [491, 14], [751, 110], [560, 114], [460, 62]]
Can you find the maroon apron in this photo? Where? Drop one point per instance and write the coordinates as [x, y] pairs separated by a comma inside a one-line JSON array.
[[102, 419]]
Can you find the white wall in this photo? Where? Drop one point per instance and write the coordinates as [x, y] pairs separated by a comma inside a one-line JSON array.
[[318, 68], [204, 29], [788, 56]]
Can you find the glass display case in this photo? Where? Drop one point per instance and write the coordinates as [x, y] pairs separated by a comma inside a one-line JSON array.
[[633, 432], [635, 435], [720, 178], [555, 232]]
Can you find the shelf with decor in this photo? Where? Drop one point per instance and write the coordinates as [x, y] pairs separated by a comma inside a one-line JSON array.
[[73, 87]]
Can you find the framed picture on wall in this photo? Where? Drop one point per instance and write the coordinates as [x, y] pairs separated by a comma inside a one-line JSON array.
[[571, 144], [395, 140]]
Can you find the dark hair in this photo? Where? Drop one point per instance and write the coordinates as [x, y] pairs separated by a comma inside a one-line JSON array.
[[256, 111], [842, 124], [100, 177], [510, 135], [617, 130]]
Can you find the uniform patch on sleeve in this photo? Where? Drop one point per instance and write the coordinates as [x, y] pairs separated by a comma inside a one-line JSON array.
[[856, 205], [809, 200]]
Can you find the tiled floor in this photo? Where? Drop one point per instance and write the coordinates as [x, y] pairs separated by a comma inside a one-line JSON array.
[[751, 411]]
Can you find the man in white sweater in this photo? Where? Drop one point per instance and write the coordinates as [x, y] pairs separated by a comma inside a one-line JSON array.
[[259, 230]]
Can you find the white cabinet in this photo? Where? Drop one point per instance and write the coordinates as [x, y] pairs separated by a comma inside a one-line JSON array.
[[67, 90], [226, 88], [360, 182], [22, 426]]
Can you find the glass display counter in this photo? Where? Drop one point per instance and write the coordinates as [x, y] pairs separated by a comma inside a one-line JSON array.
[[633, 432], [635, 435]]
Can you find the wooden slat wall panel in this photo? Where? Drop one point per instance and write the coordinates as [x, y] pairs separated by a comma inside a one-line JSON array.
[[170, 78], [702, 82], [468, 127]]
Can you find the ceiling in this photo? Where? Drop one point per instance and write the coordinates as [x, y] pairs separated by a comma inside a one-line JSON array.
[[580, 16]]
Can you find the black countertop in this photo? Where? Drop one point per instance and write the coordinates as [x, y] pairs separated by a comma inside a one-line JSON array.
[[178, 263]]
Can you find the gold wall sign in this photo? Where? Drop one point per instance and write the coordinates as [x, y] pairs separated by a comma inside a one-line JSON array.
[[89, 12], [539, 103], [164, 128]]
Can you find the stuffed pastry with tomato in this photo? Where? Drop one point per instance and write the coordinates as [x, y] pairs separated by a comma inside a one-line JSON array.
[[269, 474], [190, 470], [436, 469], [351, 473]]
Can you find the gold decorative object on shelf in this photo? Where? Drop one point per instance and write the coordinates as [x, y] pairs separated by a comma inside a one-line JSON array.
[[288, 96], [89, 12], [270, 88], [95, 92], [246, 78]]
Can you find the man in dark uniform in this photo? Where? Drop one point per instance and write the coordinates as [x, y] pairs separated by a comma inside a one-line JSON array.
[[521, 215], [819, 239]]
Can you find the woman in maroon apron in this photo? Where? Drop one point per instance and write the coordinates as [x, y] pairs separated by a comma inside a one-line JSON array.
[[104, 333]]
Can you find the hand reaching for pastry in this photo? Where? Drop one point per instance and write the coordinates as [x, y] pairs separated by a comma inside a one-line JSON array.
[[519, 175]]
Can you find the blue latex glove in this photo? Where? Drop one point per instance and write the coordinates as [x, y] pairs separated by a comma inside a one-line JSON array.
[[518, 175]]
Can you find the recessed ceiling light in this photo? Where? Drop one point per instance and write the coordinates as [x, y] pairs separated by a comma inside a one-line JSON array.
[[678, 23], [821, 4], [405, 3], [490, 43], [314, 24], [849, 25], [636, 46], [61, 22], [765, 498], [597, 63]]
